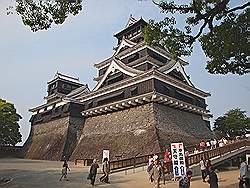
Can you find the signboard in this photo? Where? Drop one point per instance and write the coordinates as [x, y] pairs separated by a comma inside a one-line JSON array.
[[105, 153], [247, 158], [178, 159]]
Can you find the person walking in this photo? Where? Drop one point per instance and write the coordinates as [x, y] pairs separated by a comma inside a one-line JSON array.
[[208, 166], [203, 169], [65, 169], [93, 171], [155, 173], [184, 182], [150, 166], [213, 179], [243, 179], [105, 170]]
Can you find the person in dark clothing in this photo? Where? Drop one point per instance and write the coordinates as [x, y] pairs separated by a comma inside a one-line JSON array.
[[213, 179], [184, 182], [65, 169], [208, 166], [93, 171]]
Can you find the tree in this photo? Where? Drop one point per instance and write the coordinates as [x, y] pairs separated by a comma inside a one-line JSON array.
[[41, 14], [222, 31], [9, 128], [233, 123]]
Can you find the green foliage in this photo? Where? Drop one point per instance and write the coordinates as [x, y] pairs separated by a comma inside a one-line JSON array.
[[228, 45], [233, 123], [41, 14], [175, 40], [223, 34], [9, 128]]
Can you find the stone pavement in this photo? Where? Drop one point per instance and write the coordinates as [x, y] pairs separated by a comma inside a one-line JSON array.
[[46, 174]]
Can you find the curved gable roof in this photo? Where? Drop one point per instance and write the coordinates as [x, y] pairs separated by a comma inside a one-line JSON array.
[[125, 42], [175, 65], [116, 64]]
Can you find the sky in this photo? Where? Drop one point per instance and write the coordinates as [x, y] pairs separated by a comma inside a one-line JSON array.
[[28, 60]]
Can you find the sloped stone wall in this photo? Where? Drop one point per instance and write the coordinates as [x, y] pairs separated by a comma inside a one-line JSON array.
[[54, 139], [175, 125], [47, 140], [127, 133], [141, 130]]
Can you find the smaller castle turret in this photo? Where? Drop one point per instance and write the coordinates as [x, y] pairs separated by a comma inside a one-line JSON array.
[[60, 86]]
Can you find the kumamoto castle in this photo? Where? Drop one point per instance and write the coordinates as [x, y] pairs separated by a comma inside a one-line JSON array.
[[143, 100]]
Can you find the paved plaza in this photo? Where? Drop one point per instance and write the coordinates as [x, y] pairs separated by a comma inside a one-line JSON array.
[[46, 174]]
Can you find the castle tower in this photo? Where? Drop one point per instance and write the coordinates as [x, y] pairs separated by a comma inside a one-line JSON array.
[[143, 100], [55, 124]]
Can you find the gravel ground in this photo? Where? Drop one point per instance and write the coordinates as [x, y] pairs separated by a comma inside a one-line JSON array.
[[46, 174]]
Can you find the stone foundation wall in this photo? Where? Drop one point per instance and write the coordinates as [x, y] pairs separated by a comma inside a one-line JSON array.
[[47, 140], [54, 139], [175, 125], [127, 133], [141, 130]]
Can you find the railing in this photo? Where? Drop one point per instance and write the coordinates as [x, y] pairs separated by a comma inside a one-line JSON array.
[[219, 151], [192, 159]]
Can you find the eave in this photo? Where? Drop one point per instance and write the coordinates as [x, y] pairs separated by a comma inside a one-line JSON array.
[[144, 99], [150, 74]]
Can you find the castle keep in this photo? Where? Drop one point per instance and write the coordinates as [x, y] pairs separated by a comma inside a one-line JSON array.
[[143, 100]]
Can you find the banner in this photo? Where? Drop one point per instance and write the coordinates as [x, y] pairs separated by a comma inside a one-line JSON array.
[[105, 153], [178, 159]]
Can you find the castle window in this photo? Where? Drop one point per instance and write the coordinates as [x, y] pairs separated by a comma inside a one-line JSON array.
[[133, 57], [184, 97], [115, 78], [90, 104], [111, 98], [134, 91]]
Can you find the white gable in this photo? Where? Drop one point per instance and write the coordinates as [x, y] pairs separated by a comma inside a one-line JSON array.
[[117, 65], [173, 65], [123, 44]]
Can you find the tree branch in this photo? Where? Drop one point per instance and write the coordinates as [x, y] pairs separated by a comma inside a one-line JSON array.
[[239, 7], [201, 29], [173, 7]]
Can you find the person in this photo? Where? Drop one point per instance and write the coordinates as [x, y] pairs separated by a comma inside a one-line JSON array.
[[184, 182], [93, 171], [167, 155], [155, 157], [196, 151], [213, 179], [155, 173], [65, 169], [208, 145], [213, 144], [186, 158], [203, 169], [163, 165], [105, 170], [244, 177], [202, 145], [208, 166], [167, 160], [247, 178], [150, 166]]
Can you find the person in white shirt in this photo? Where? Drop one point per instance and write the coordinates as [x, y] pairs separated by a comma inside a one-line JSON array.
[[203, 169], [196, 151], [208, 145]]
